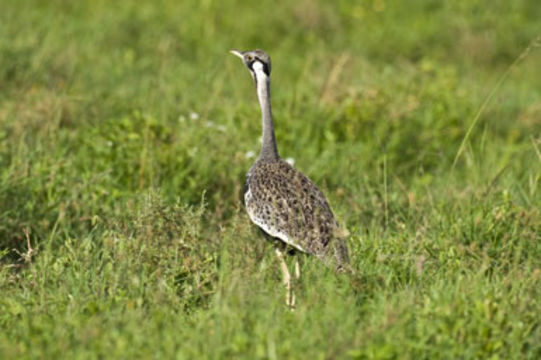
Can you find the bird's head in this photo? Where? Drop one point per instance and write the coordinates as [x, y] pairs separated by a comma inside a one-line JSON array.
[[255, 61]]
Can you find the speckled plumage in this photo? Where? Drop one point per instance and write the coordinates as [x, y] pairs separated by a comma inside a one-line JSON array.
[[287, 205], [281, 200]]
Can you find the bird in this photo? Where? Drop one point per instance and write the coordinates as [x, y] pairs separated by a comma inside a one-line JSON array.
[[281, 200]]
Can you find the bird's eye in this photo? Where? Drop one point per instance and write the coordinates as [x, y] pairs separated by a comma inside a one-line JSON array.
[[249, 57]]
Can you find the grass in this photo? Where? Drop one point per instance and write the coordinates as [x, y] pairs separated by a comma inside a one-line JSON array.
[[126, 131]]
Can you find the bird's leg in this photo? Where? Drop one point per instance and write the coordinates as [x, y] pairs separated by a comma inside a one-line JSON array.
[[287, 277], [297, 276]]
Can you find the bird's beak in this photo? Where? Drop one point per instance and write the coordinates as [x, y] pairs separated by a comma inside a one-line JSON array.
[[237, 53]]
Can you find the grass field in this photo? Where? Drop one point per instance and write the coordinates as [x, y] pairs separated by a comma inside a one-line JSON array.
[[126, 130]]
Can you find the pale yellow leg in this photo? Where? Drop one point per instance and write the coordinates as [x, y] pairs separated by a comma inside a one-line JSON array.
[[287, 278], [297, 276]]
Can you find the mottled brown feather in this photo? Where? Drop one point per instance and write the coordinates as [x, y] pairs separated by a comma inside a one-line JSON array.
[[286, 204]]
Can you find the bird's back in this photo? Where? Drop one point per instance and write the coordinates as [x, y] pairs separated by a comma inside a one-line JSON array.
[[287, 205]]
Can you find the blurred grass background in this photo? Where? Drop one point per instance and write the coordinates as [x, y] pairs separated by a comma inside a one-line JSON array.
[[126, 129]]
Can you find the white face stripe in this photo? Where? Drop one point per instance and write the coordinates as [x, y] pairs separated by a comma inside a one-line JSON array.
[[261, 79], [257, 66]]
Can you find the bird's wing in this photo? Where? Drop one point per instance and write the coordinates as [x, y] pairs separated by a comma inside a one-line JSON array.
[[287, 205]]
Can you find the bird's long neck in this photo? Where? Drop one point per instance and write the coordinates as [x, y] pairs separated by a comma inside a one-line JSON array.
[[269, 150]]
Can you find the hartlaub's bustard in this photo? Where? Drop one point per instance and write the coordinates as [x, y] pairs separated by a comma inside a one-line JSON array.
[[281, 200]]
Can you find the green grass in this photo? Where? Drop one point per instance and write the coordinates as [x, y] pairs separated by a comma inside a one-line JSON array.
[[124, 129]]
